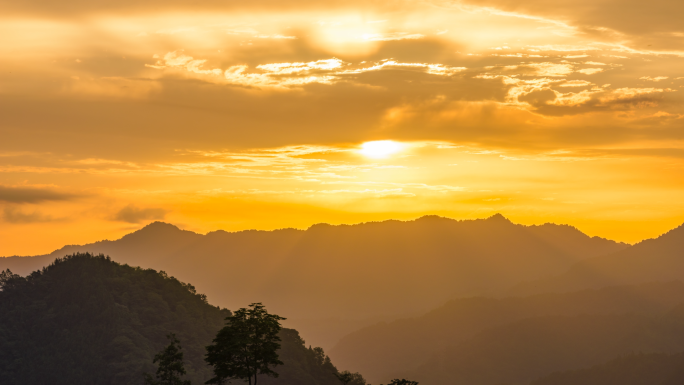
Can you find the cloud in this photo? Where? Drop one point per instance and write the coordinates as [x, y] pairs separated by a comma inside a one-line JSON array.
[[12, 194], [12, 214], [590, 71], [538, 97], [551, 69], [632, 95], [392, 36], [602, 18], [75, 8], [654, 79], [132, 214], [292, 68], [324, 71], [575, 83]]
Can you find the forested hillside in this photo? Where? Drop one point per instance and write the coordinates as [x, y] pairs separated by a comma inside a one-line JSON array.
[[89, 320]]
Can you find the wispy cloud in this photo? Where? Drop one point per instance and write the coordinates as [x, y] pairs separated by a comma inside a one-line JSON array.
[[290, 74], [12, 214], [654, 79], [392, 36], [133, 214], [590, 71], [22, 194]]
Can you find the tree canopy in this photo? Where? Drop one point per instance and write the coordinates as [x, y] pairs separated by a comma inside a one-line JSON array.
[[171, 367], [247, 346], [88, 320], [349, 378]]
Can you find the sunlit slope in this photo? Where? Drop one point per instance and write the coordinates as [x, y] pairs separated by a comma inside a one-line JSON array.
[[87, 320], [363, 270], [385, 349], [655, 259], [521, 351]]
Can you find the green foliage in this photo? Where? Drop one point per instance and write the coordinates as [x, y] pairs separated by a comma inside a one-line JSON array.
[[247, 346], [402, 382], [8, 279], [303, 366], [349, 378], [86, 320], [170, 367]]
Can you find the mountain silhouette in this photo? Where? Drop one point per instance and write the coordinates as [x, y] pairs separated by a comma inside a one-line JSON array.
[[86, 320], [519, 352], [658, 259], [632, 369], [349, 273], [385, 349]]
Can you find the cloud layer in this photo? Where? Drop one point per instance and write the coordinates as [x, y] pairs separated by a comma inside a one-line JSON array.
[[12, 194], [250, 115]]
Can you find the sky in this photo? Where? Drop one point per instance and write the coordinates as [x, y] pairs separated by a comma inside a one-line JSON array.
[[270, 114]]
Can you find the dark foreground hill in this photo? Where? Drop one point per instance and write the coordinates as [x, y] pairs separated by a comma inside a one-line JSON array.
[[658, 259], [363, 271], [88, 320], [633, 369], [385, 349]]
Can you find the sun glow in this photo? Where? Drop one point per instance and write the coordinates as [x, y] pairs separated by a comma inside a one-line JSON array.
[[380, 148]]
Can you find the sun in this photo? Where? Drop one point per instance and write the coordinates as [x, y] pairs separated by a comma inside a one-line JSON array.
[[380, 148]]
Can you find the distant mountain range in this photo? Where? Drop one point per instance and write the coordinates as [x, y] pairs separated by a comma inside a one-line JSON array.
[[349, 272], [520, 351], [510, 304], [632, 369], [384, 349], [387, 350], [655, 259]]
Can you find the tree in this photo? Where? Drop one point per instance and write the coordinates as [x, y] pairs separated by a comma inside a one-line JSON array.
[[7, 279], [170, 367], [246, 347], [349, 378], [403, 382]]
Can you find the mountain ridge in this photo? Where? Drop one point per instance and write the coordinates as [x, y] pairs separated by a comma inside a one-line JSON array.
[[384, 349], [349, 271], [152, 227], [660, 258]]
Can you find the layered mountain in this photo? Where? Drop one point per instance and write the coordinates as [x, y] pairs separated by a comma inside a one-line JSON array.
[[88, 320], [384, 350], [632, 369], [350, 272], [519, 352], [658, 259]]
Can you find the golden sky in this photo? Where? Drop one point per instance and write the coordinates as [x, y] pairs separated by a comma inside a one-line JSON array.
[[238, 115]]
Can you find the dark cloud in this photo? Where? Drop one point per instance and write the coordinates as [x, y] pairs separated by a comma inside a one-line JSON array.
[[538, 98], [32, 195], [228, 117], [12, 214], [132, 214]]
